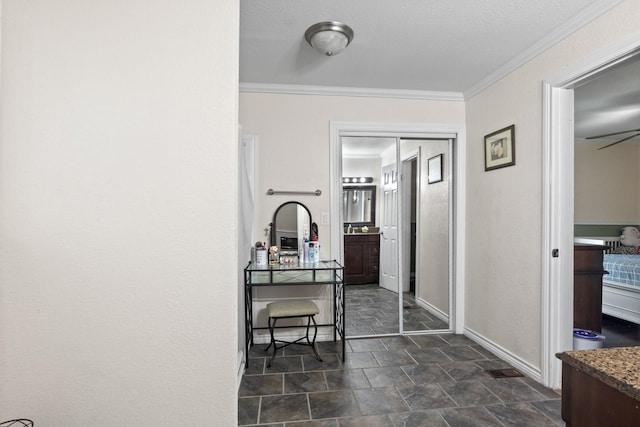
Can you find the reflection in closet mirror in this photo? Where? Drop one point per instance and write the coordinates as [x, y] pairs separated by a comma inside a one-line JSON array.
[[291, 224], [359, 205], [415, 235]]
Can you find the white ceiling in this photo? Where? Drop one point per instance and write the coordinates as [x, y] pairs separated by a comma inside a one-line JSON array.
[[448, 47], [609, 103]]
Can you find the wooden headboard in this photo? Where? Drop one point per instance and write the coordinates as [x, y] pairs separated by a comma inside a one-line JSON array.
[[612, 242]]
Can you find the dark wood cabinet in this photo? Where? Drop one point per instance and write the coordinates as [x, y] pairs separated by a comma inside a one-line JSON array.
[[361, 258], [599, 387], [587, 286]]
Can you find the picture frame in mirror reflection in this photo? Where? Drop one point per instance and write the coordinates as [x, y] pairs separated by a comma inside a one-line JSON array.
[[434, 169], [500, 149]]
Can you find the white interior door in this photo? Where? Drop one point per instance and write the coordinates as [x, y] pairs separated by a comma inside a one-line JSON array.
[[389, 230]]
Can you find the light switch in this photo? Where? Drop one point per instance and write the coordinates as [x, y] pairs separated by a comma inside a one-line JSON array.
[[324, 217]]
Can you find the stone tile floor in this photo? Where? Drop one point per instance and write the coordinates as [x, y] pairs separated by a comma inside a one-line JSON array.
[[416, 380], [373, 310]]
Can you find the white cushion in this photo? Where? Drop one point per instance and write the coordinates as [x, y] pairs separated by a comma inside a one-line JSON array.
[[292, 307]]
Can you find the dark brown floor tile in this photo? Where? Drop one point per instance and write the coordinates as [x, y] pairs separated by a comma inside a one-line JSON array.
[[427, 374], [477, 416], [512, 390], [256, 366], [429, 396], [550, 408], [314, 423], [389, 376], [428, 355], [483, 351], [360, 360], [463, 371], [461, 353], [347, 379], [333, 404], [295, 350], [304, 382], [520, 414], [428, 341], [329, 361], [393, 358], [378, 401], [326, 347], [285, 364], [284, 407], [398, 343], [418, 419], [366, 345], [455, 340], [470, 393], [545, 391], [258, 385], [248, 409], [366, 421]]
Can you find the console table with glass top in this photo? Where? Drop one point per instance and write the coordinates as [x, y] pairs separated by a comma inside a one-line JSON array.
[[320, 273]]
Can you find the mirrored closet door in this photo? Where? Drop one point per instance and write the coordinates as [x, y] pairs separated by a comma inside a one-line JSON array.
[[396, 222]]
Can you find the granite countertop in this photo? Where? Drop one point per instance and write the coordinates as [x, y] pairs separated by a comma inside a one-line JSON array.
[[618, 367]]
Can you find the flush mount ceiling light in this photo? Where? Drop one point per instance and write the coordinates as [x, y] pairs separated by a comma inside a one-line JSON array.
[[330, 37]]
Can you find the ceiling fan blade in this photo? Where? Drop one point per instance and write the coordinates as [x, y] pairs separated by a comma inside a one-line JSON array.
[[619, 141], [611, 134]]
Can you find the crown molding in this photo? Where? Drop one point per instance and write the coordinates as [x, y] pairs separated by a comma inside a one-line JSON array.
[[351, 91], [544, 44]]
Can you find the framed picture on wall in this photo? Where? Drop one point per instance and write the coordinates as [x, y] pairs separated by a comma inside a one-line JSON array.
[[434, 169], [500, 149]]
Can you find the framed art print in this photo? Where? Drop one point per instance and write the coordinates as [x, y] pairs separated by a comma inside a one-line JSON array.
[[434, 169], [500, 149]]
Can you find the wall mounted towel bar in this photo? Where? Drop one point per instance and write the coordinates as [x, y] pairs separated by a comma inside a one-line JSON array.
[[271, 192]]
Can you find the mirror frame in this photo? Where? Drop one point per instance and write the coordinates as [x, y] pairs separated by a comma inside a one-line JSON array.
[[374, 190], [273, 237]]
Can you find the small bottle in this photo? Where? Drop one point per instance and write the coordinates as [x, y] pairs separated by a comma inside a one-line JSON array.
[[349, 229]]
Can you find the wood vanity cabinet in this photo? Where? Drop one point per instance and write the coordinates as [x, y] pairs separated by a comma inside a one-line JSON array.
[[587, 286], [361, 258]]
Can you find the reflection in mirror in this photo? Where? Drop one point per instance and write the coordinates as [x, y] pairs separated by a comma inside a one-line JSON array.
[[425, 214], [426, 218], [359, 205], [291, 225]]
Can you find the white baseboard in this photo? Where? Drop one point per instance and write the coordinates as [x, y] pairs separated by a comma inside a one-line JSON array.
[[518, 363], [433, 310], [241, 360]]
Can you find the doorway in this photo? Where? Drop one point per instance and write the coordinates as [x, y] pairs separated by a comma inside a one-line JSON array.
[[558, 200], [408, 141]]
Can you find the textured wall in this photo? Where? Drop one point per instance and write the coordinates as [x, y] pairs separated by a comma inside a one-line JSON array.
[[606, 184], [118, 147], [504, 206]]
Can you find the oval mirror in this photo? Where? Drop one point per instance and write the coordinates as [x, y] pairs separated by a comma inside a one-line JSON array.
[[291, 224]]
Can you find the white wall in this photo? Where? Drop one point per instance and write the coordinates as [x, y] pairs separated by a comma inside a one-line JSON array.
[[606, 184], [293, 154], [118, 303], [294, 134], [504, 208]]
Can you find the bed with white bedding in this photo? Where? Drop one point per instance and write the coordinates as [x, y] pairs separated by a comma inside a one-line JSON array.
[[621, 286]]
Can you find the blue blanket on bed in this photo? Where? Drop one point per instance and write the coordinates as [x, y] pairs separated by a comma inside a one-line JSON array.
[[622, 269]]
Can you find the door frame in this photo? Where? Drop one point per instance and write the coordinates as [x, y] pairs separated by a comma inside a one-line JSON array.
[[406, 168], [338, 129], [558, 198]]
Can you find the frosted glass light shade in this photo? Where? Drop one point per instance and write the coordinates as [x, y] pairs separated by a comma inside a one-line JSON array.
[[330, 38]]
